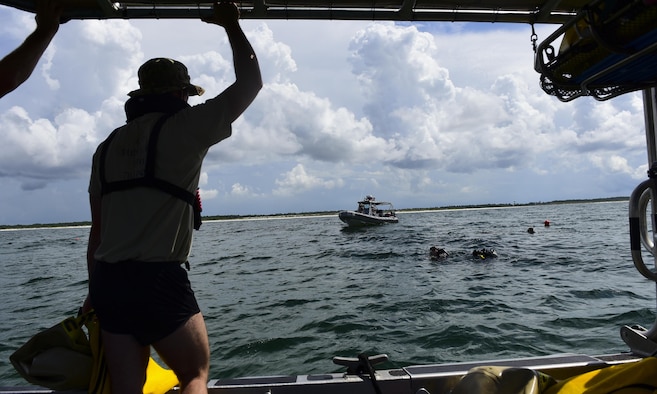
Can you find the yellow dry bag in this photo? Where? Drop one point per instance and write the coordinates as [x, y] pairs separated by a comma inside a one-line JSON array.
[[63, 357], [633, 378]]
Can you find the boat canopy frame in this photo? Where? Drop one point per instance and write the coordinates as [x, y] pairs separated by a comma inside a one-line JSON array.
[[507, 11]]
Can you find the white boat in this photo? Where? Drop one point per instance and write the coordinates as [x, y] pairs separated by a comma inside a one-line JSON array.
[[606, 74], [370, 212]]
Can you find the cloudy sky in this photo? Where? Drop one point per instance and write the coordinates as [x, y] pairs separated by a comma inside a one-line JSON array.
[[423, 115]]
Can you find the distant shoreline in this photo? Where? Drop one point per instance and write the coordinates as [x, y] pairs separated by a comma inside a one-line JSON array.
[[328, 213]]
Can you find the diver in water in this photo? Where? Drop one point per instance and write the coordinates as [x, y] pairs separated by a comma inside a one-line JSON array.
[[484, 253], [437, 253]]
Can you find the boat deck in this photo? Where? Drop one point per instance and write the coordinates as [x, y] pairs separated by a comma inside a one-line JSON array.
[[434, 379]]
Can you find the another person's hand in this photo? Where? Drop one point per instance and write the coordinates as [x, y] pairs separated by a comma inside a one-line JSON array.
[[48, 14], [224, 14]]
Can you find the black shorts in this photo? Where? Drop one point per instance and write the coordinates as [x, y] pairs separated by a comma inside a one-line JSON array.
[[148, 300]]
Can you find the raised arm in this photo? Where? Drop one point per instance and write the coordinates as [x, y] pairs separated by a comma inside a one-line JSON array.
[[247, 71], [17, 66]]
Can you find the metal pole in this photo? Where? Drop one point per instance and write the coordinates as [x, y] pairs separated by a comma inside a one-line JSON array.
[[650, 114], [641, 341]]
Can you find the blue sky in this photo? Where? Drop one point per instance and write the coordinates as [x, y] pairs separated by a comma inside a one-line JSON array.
[[422, 115]]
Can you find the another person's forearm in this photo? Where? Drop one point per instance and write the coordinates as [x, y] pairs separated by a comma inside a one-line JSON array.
[[17, 66], [25, 58]]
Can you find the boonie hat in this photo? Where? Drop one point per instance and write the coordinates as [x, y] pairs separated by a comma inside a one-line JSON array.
[[162, 75]]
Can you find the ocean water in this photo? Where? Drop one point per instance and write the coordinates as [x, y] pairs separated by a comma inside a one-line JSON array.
[[283, 296]]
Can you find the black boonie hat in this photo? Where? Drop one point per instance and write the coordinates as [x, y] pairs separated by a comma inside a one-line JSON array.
[[162, 75]]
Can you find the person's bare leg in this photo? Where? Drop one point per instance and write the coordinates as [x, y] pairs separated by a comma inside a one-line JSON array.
[[126, 362], [187, 352]]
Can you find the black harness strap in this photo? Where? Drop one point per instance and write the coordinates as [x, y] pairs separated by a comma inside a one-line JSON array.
[[149, 179]]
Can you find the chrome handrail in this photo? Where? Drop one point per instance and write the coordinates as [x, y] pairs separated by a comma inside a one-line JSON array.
[[640, 340], [639, 236]]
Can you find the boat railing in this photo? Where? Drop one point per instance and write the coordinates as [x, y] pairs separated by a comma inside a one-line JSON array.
[[643, 231], [641, 237]]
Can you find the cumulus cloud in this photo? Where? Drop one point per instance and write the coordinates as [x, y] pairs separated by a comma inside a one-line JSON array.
[[398, 71], [297, 180], [205, 192], [432, 122], [43, 149], [208, 194], [241, 191]]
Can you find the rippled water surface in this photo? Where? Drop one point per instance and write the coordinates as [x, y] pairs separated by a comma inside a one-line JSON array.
[[283, 296]]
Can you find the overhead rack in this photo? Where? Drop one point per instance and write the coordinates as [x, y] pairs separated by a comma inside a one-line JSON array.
[[608, 49]]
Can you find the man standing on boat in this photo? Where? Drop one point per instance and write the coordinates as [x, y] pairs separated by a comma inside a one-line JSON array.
[[142, 186], [17, 66]]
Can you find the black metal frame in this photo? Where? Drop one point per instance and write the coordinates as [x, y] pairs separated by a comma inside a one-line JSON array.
[[510, 11], [605, 52]]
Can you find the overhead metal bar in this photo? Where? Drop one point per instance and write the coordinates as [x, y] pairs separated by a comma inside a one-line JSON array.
[[406, 10], [544, 13], [510, 11]]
